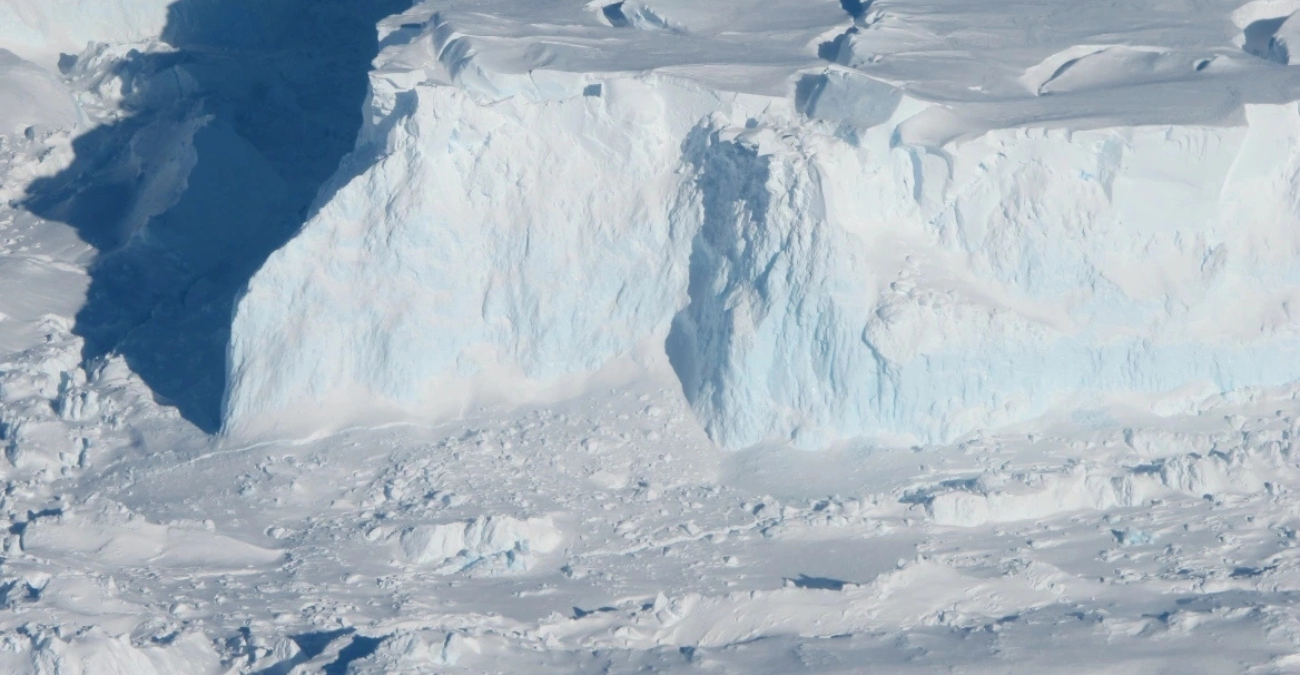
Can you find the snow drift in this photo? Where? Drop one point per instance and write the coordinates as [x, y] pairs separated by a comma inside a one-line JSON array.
[[42, 29], [836, 259], [33, 98]]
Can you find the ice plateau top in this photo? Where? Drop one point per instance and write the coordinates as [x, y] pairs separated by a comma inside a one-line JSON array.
[[831, 219]]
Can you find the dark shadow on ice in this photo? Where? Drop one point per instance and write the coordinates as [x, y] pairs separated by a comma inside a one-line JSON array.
[[225, 145], [731, 178], [360, 647], [580, 613], [1259, 38], [818, 583], [835, 50], [614, 14], [855, 8], [311, 645]]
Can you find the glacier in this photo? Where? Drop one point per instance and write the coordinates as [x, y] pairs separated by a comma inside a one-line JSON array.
[[1021, 273], [819, 251]]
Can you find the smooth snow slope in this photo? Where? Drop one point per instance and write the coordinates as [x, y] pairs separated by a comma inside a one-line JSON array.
[[906, 222], [33, 98], [42, 29]]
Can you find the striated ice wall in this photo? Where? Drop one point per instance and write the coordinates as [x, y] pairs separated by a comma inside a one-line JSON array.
[[822, 264], [834, 295], [475, 249]]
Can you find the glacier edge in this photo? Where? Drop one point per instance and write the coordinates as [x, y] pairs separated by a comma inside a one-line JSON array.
[[815, 272]]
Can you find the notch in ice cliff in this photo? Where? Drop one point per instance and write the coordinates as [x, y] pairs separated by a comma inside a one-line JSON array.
[[819, 254]]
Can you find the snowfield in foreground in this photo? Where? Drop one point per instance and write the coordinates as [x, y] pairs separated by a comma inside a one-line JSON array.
[[383, 337]]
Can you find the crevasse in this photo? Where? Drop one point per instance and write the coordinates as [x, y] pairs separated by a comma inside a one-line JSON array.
[[816, 265]]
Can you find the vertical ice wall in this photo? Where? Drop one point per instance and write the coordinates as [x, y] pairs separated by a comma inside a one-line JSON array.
[[832, 295], [768, 331], [474, 255], [817, 266]]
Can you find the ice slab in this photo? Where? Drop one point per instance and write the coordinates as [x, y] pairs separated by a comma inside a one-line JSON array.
[[968, 227]]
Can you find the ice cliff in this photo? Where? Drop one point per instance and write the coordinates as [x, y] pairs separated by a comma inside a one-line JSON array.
[[822, 248]]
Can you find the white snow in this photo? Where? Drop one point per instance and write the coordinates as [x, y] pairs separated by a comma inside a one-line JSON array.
[[838, 258], [106, 540], [489, 545], [33, 98], [42, 29], [43, 651], [548, 344]]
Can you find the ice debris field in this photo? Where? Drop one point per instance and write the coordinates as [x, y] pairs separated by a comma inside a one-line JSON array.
[[362, 337]]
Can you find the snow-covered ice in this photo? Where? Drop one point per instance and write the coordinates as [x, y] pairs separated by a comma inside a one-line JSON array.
[[824, 252], [361, 336]]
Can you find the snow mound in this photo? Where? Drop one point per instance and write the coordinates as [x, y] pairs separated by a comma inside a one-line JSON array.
[[413, 652], [1001, 499], [1284, 45], [640, 15], [484, 546], [907, 596], [108, 539], [1268, 29], [42, 29], [1087, 67], [33, 98], [1263, 10], [48, 651], [847, 97]]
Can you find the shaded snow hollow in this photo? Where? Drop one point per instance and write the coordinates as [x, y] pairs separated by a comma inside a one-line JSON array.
[[819, 253]]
